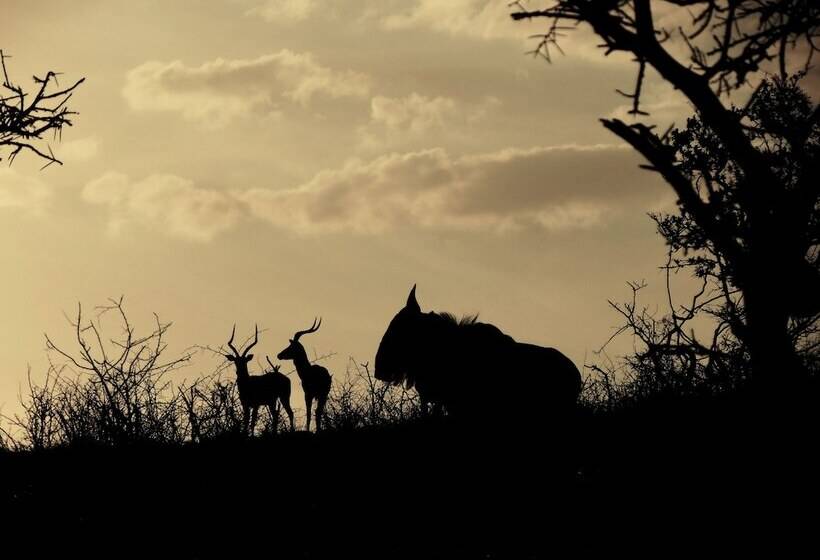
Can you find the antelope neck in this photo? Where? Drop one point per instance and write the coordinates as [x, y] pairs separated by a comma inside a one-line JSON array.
[[242, 370], [300, 360]]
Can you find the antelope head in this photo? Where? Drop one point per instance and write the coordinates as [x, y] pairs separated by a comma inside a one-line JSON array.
[[240, 361], [295, 348]]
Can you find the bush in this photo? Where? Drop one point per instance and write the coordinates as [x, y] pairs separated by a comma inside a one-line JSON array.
[[669, 361], [108, 391], [361, 400], [117, 391]]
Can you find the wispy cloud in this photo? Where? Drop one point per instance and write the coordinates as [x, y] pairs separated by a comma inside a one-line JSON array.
[[419, 114], [81, 149], [556, 188], [283, 11], [415, 112], [168, 204], [217, 92], [398, 120], [486, 19], [23, 192], [559, 188]]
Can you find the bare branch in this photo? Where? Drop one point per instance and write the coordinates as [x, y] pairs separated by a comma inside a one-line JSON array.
[[25, 119]]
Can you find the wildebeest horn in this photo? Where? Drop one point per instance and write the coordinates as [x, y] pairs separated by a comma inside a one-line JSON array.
[[411, 300]]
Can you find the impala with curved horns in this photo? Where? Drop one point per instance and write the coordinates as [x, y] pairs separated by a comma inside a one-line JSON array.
[[315, 379], [258, 390]]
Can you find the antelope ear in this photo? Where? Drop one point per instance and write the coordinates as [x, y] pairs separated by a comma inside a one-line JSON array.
[[229, 357], [249, 357], [412, 304]]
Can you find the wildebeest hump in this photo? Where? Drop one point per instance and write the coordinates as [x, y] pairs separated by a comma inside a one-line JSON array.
[[550, 373]]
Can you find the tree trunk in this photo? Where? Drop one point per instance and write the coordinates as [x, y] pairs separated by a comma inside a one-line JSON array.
[[775, 363]]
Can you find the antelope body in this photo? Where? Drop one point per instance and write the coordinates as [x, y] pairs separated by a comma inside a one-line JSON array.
[[258, 390], [315, 378]]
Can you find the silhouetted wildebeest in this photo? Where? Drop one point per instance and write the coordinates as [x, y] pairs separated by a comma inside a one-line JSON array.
[[471, 367]]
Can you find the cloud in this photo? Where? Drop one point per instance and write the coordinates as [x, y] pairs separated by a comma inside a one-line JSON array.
[[485, 19], [283, 11], [560, 188], [418, 113], [555, 188], [415, 112], [23, 192], [394, 119], [219, 91], [165, 203], [490, 20], [82, 149]]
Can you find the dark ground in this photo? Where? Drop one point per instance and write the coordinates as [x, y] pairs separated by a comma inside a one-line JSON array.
[[704, 477]]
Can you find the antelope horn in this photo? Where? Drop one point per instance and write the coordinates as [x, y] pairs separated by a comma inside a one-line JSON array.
[[312, 329], [255, 340], [230, 342]]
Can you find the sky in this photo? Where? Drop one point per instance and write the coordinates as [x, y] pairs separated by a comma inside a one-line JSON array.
[[268, 161]]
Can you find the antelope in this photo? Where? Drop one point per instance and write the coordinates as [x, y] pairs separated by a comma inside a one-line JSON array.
[[282, 384], [258, 390], [315, 379]]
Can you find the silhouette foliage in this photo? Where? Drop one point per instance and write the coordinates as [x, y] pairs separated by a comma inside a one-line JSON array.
[[118, 390], [753, 202], [779, 120], [383, 479], [362, 401], [105, 391], [670, 362], [27, 117]]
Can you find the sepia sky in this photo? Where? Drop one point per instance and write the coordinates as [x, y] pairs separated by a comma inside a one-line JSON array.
[[273, 160]]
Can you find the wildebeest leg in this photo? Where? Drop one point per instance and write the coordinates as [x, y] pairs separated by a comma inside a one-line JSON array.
[[254, 415], [308, 406]]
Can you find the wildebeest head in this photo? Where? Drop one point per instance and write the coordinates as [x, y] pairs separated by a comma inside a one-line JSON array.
[[399, 347]]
